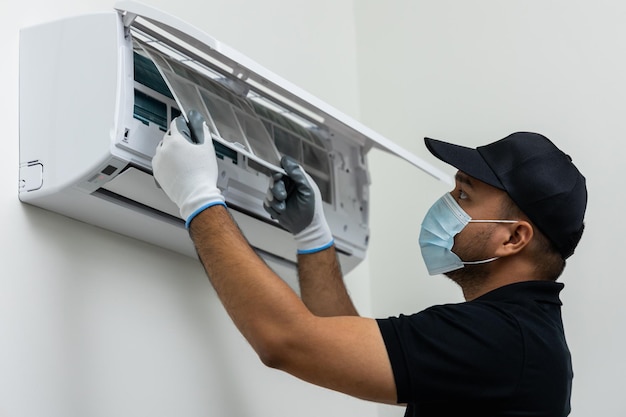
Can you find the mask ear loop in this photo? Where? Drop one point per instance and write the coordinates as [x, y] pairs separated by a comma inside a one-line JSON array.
[[494, 221], [485, 261]]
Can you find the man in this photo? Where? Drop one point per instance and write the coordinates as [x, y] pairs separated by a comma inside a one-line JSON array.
[[502, 234]]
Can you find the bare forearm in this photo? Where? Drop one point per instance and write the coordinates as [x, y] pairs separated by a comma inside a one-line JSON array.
[[257, 300], [321, 285]]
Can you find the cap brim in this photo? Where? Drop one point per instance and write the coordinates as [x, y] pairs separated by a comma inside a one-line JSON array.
[[464, 159]]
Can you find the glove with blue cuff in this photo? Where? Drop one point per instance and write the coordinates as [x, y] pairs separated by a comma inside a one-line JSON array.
[[185, 166], [295, 202]]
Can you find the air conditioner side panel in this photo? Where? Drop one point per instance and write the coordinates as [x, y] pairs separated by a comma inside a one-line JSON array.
[[71, 93]]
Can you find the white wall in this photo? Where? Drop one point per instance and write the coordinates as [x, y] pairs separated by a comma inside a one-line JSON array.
[[472, 72], [95, 324]]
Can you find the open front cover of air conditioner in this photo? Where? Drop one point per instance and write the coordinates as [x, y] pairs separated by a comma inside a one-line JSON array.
[[97, 93]]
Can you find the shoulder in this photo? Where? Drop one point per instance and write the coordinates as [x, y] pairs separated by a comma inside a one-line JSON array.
[[482, 347], [482, 328], [481, 335], [466, 318], [437, 351]]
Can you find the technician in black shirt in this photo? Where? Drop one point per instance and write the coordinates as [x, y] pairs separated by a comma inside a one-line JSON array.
[[502, 234], [503, 352]]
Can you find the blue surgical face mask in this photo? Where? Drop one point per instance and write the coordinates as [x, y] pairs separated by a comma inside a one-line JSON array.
[[444, 220]]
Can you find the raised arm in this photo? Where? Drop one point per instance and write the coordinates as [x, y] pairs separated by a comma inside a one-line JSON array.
[[322, 288], [296, 203], [346, 354]]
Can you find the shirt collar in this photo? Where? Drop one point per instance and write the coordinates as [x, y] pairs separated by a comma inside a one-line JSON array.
[[545, 291]]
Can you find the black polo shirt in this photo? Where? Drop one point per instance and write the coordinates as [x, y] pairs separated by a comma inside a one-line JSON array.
[[502, 354]]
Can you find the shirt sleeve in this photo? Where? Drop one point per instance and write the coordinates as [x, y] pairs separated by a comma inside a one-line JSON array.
[[454, 352]]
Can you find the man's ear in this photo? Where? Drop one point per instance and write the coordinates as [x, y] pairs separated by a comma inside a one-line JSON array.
[[515, 237]]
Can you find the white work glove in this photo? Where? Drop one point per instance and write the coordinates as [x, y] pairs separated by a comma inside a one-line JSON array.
[[185, 166], [296, 203]]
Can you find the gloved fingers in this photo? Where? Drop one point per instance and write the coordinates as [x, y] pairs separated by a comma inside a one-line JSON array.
[[276, 177], [297, 178], [293, 169], [198, 125], [276, 188], [179, 126], [277, 191], [274, 209], [275, 197]]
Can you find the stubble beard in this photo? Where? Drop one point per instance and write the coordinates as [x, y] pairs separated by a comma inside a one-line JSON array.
[[472, 277]]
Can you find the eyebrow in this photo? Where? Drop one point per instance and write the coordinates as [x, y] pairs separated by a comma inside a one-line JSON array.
[[463, 178]]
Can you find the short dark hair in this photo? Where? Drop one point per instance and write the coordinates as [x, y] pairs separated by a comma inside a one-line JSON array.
[[550, 263]]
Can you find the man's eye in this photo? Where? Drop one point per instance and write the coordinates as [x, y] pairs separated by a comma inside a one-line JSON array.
[[462, 195]]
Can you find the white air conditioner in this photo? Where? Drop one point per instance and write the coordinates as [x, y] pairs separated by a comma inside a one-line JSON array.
[[94, 106]]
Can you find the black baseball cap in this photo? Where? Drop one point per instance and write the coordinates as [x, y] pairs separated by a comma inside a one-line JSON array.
[[538, 176]]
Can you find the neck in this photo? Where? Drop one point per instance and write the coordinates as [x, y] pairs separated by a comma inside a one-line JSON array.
[[472, 279], [477, 280]]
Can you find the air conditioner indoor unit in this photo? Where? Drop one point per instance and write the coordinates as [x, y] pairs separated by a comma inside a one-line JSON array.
[[97, 93]]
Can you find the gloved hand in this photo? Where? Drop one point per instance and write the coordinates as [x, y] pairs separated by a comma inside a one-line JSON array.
[[185, 166], [295, 201]]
